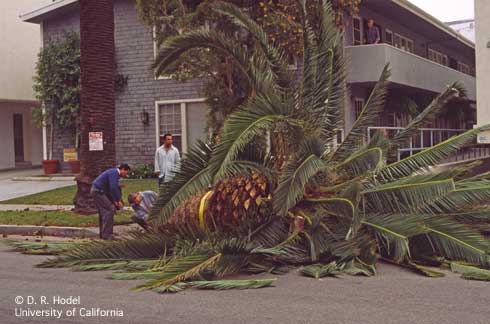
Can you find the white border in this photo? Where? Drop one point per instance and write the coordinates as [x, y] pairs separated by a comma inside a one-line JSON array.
[[45, 134], [361, 29]]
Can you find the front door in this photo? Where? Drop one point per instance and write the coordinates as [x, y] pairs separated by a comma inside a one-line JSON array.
[[18, 138]]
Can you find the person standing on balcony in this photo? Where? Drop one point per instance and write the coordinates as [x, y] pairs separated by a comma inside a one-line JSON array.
[[167, 159], [373, 35]]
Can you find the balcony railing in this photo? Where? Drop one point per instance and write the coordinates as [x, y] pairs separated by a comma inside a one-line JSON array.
[[428, 137]]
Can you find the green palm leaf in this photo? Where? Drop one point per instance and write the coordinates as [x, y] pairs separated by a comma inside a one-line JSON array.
[[274, 54], [137, 246], [457, 241], [259, 114], [393, 232], [232, 284], [430, 156], [181, 269], [318, 271], [461, 199], [369, 160], [428, 114], [401, 197], [301, 168], [369, 116]]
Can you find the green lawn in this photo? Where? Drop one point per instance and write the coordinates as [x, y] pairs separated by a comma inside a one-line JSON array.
[[64, 196], [58, 218]]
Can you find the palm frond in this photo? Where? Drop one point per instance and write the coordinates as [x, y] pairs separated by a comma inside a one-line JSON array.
[[431, 156], [366, 161], [260, 113], [130, 265], [470, 272], [318, 271], [393, 233], [274, 54], [457, 241], [462, 198], [331, 81], [401, 197], [232, 284], [428, 272], [295, 175], [181, 269], [368, 116], [428, 115], [142, 246], [174, 47]]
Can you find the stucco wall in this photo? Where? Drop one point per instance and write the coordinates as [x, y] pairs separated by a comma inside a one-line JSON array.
[[31, 134], [19, 46], [482, 17]]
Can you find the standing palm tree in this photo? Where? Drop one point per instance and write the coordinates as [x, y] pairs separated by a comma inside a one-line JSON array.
[[232, 207], [97, 108]]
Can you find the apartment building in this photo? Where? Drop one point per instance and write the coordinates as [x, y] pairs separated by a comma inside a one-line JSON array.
[[425, 56], [21, 142]]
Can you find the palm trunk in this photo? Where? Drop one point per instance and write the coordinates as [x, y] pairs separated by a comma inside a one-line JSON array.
[[97, 109]]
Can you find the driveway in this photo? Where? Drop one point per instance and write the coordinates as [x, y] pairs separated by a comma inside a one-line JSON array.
[[393, 296], [12, 189]]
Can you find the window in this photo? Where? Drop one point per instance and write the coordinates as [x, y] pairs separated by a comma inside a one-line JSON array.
[[389, 37], [156, 49], [404, 43], [438, 57], [185, 119], [357, 30], [170, 121], [465, 68], [358, 106]]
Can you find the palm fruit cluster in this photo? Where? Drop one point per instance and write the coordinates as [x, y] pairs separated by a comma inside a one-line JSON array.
[[234, 204]]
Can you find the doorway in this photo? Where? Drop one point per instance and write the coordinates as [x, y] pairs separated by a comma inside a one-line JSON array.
[[18, 138]]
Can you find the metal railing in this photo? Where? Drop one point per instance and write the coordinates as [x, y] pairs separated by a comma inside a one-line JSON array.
[[425, 138]]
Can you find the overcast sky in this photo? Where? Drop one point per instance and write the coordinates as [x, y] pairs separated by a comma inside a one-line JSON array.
[[447, 10]]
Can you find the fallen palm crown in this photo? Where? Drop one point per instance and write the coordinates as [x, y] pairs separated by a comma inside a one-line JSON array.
[[276, 191]]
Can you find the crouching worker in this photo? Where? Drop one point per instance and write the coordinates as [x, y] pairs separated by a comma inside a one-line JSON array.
[[142, 202], [107, 195]]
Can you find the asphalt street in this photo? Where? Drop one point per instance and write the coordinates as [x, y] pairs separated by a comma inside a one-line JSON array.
[[393, 296]]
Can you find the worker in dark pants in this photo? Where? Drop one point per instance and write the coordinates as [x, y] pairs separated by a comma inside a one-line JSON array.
[[107, 195]]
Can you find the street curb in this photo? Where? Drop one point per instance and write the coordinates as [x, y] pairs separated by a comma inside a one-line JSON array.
[[30, 230], [21, 207], [69, 178]]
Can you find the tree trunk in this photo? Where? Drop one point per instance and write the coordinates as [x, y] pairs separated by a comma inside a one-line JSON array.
[[97, 109]]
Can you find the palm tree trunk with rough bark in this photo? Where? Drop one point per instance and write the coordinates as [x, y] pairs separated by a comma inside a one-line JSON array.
[[97, 108]]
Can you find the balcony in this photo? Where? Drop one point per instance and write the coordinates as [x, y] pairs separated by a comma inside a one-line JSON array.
[[367, 62]]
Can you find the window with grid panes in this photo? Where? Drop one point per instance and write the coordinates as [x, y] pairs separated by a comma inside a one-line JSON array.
[[170, 116]]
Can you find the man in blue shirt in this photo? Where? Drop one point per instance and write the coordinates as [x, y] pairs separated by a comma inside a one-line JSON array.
[[142, 202], [107, 195]]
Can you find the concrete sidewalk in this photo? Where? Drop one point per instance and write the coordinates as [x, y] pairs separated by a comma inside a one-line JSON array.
[[8, 207], [63, 231], [9, 188]]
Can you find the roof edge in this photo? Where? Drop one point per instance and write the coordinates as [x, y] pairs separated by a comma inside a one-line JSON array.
[[35, 15], [434, 21]]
